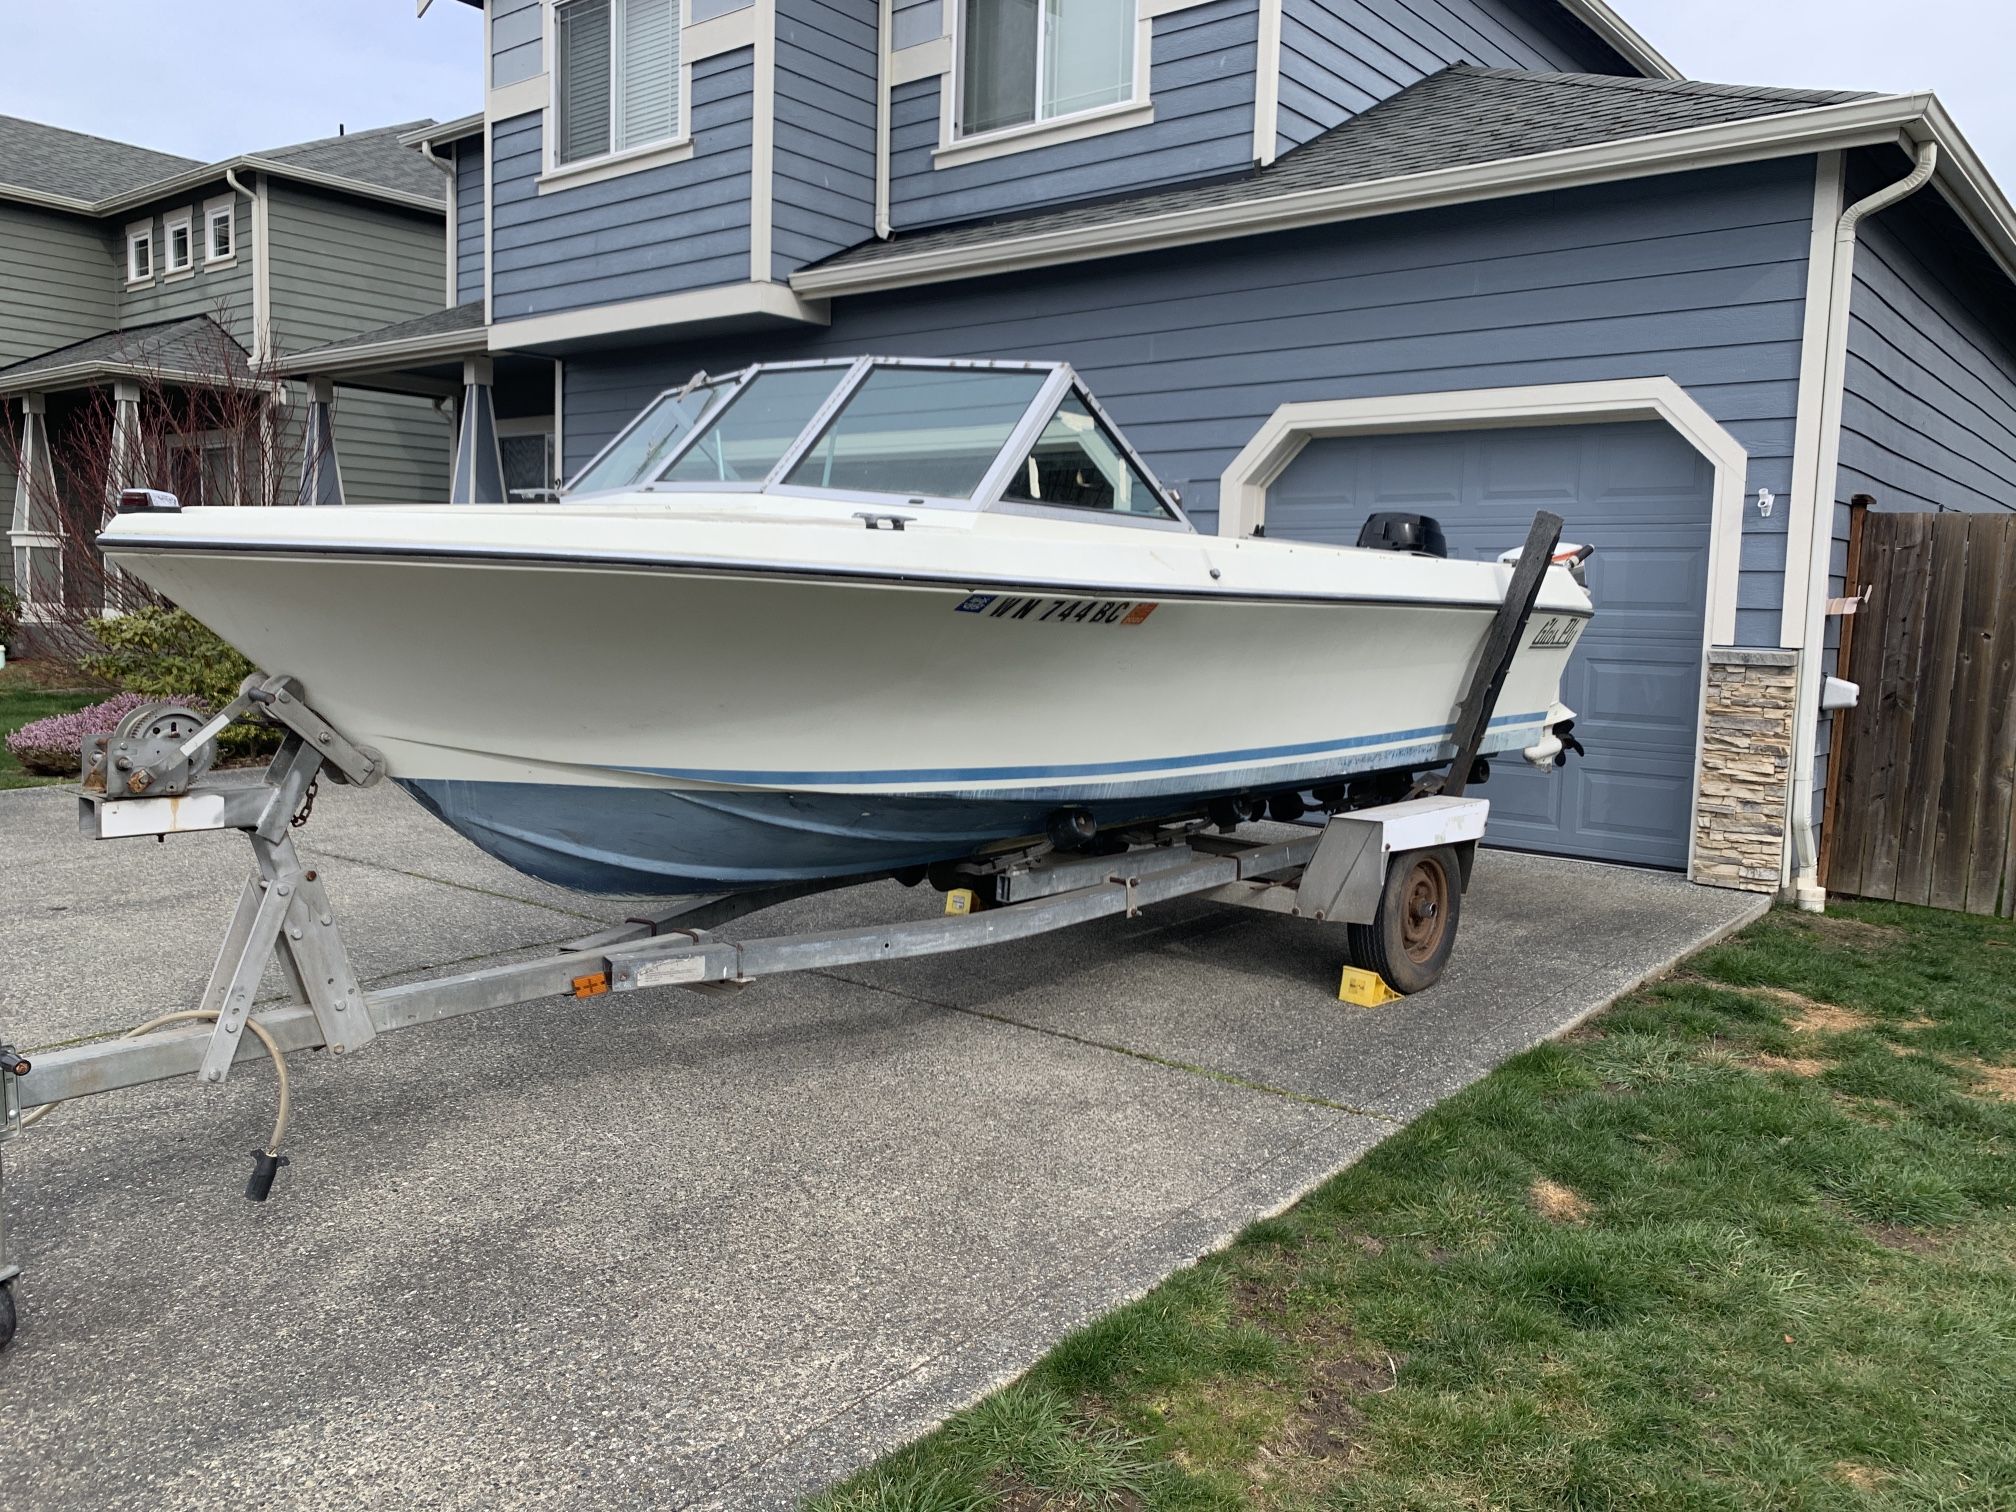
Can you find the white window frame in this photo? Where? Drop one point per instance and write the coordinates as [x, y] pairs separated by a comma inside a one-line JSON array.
[[224, 208], [185, 222], [1138, 110], [138, 234], [676, 148]]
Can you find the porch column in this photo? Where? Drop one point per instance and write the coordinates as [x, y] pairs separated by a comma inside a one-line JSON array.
[[126, 469], [321, 476], [35, 535], [479, 461]]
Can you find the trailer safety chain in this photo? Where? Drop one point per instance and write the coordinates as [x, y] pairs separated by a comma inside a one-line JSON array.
[[307, 805], [266, 1162]]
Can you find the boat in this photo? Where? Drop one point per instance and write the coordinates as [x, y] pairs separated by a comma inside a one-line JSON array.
[[833, 619]]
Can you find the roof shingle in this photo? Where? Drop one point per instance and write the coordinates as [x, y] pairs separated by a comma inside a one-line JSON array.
[[193, 347], [50, 160], [1457, 118]]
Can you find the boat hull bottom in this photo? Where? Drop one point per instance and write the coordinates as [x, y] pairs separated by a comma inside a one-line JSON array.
[[676, 841]]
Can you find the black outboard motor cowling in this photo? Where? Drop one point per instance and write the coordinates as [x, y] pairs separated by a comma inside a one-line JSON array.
[[1404, 532]]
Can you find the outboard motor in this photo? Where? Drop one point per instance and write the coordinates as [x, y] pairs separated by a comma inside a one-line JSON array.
[[1404, 532]]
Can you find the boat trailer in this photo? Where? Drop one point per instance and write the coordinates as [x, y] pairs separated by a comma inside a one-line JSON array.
[[1393, 873]]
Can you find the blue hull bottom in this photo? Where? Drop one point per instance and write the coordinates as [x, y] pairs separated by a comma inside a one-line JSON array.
[[667, 841]]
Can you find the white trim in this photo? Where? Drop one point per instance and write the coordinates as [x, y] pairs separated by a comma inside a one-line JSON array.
[[137, 234], [923, 61], [1071, 128], [225, 206], [1267, 84], [1613, 29], [1242, 500], [560, 418], [262, 273], [762, 142], [377, 355], [1860, 123], [183, 220], [1808, 442], [451, 227], [1153, 8], [885, 25], [753, 301], [718, 34], [525, 97], [613, 165], [954, 148]]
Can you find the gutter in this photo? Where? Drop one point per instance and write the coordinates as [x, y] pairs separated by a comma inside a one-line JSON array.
[[168, 188], [1806, 886], [1859, 123], [377, 355]]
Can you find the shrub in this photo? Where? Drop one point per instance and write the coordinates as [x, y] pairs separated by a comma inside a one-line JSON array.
[[10, 615], [51, 747], [170, 655]]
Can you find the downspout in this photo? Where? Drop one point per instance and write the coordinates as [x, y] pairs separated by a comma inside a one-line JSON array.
[[447, 167], [1806, 885]]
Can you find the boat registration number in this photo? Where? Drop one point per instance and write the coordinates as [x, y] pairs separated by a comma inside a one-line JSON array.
[[1556, 633], [1056, 611]]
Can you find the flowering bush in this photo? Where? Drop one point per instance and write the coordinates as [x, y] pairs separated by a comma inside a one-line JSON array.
[[50, 747]]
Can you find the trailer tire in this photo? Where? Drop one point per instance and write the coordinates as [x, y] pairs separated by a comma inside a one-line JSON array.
[[1409, 941]]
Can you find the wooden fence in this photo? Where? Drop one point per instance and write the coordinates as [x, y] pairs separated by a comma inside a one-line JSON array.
[[1921, 803]]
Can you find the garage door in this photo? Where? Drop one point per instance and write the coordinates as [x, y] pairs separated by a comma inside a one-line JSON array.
[[1643, 497]]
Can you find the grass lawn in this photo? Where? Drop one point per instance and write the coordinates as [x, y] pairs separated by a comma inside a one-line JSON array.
[[24, 697], [1748, 1240]]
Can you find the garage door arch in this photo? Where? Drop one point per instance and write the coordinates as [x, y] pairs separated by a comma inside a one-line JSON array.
[[1678, 511]]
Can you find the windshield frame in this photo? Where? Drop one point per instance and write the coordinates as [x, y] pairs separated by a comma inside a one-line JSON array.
[[1060, 382], [701, 379]]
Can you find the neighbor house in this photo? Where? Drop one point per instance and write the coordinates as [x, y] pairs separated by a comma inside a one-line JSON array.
[[131, 278], [1319, 257]]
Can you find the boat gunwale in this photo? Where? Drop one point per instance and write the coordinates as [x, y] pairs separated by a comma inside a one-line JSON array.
[[1049, 588]]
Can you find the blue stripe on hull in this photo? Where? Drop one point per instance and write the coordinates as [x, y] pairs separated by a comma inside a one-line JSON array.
[[707, 840]]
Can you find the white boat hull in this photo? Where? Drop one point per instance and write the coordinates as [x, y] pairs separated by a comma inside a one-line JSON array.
[[693, 725]]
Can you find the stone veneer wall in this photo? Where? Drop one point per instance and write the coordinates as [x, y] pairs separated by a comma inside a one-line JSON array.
[[1746, 769]]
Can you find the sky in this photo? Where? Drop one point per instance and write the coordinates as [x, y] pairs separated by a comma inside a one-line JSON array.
[[248, 74]]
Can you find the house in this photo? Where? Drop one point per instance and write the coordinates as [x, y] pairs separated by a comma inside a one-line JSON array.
[[132, 280], [1319, 258]]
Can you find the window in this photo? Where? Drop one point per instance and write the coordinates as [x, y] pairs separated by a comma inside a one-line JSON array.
[[1022, 61], [747, 436], [617, 79], [140, 252], [1076, 464], [634, 457], [924, 431], [181, 241], [203, 469], [220, 231]]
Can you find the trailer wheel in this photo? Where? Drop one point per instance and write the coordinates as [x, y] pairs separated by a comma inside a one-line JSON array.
[[1408, 943]]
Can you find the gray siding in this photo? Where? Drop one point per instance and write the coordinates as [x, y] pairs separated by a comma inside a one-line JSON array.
[[468, 219], [823, 169], [341, 268], [1200, 80], [657, 231], [223, 293], [1700, 277], [1341, 57], [58, 283], [516, 41]]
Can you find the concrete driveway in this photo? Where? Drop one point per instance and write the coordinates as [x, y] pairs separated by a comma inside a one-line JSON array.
[[667, 1250]]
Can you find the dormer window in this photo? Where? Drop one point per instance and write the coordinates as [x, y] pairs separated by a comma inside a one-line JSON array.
[[181, 242], [617, 76], [1024, 61], [140, 252]]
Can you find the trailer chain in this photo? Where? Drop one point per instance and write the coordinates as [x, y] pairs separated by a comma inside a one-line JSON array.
[[307, 805]]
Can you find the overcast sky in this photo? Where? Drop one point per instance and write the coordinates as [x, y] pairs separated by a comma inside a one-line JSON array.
[[246, 74]]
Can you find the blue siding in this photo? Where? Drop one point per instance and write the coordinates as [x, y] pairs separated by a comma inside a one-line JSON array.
[[916, 21], [516, 41], [1341, 57], [657, 231], [1700, 277], [1201, 82], [468, 219], [823, 166]]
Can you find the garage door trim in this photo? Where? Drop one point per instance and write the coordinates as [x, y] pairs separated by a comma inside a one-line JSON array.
[[1244, 487]]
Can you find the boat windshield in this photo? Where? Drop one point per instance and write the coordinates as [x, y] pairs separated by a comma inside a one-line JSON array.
[[1018, 436], [920, 431], [748, 436], [636, 455]]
